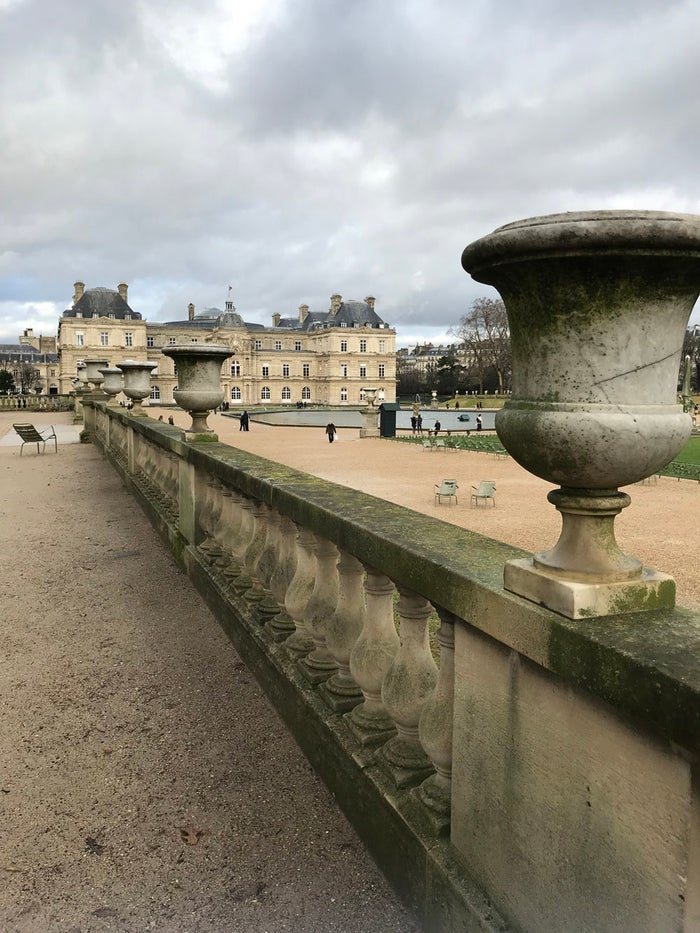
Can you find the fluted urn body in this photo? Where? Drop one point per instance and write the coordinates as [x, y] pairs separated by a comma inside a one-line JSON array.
[[113, 381], [598, 304], [198, 380], [93, 372], [137, 379]]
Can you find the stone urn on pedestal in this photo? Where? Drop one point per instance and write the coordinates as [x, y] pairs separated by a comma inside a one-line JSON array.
[[137, 382], [113, 382], [199, 388], [93, 372], [370, 426], [598, 304]]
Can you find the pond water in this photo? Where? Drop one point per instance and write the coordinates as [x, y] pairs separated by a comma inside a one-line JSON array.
[[351, 418]]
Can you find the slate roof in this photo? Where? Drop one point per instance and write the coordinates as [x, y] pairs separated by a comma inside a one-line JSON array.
[[103, 302], [350, 314], [25, 352]]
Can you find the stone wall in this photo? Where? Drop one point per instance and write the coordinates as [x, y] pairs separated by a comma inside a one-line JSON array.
[[543, 776]]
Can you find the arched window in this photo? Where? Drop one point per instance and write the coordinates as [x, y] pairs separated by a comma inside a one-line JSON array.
[[343, 395], [286, 394], [265, 394], [306, 393], [235, 394], [155, 393]]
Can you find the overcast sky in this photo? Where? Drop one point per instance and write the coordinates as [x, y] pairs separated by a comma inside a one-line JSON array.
[[297, 148]]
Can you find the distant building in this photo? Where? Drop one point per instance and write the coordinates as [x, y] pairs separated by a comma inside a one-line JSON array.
[[321, 357], [32, 362]]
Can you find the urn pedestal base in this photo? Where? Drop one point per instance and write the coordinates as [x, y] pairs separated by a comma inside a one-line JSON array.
[[582, 600]]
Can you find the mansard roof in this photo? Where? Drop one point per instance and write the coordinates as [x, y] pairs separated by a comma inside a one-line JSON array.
[[25, 352], [103, 302], [349, 314]]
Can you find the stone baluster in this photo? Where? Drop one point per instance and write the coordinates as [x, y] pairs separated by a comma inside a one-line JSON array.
[[319, 664], [371, 657], [254, 592], [341, 691], [409, 683], [299, 593], [435, 729], [268, 607], [241, 581], [281, 625], [209, 517]]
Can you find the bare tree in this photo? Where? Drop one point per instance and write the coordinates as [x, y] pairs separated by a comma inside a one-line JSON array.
[[27, 377], [485, 338]]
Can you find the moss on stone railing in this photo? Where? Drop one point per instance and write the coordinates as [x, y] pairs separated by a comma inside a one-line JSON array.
[[640, 671]]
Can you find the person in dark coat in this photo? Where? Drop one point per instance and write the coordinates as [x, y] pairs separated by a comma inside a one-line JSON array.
[[331, 432], [244, 422]]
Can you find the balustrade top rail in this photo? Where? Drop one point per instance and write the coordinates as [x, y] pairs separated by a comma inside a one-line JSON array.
[[646, 664]]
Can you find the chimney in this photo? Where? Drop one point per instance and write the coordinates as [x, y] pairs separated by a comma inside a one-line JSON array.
[[370, 301], [336, 301], [79, 291], [190, 312], [303, 313], [276, 318], [123, 289]]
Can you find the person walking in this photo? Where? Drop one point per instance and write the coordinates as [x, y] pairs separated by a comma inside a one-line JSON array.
[[331, 432], [437, 428], [478, 422], [245, 420], [419, 424]]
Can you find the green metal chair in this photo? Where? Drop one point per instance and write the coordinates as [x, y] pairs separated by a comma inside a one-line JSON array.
[[484, 492], [30, 435], [447, 489]]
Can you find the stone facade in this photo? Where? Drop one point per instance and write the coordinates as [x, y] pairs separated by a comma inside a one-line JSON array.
[[323, 358]]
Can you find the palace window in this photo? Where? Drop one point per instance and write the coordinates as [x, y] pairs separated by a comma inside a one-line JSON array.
[[258, 344], [278, 344], [306, 370], [235, 394], [172, 341], [104, 338], [266, 372], [265, 394], [297, 344], [363, 372], [363, 346], [381, 370], [235, 368], [150, 342], [344, 370], [343, 395], [128, 339], [306, 393], [343, 324], [382, 346], [155, 393], [286, 394], [79, 339], [285, 369], [343, 346]]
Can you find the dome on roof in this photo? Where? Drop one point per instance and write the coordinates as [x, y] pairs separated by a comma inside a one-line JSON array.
[[230, 319]]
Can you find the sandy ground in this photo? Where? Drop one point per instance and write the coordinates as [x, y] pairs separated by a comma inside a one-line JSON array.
[[660, 527], [145, 784]]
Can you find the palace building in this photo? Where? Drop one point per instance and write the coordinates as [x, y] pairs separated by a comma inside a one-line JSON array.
[[317, 357]]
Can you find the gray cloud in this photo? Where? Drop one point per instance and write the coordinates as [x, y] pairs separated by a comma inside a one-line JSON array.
[[322, 146]]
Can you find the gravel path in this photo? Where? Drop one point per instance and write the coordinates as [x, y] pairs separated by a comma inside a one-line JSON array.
[[145, 783]]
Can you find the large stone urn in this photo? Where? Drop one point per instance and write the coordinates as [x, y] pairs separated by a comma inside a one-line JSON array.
[[113, 381], [93, 372], [598, 304], [198, 383], [137, 380]]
